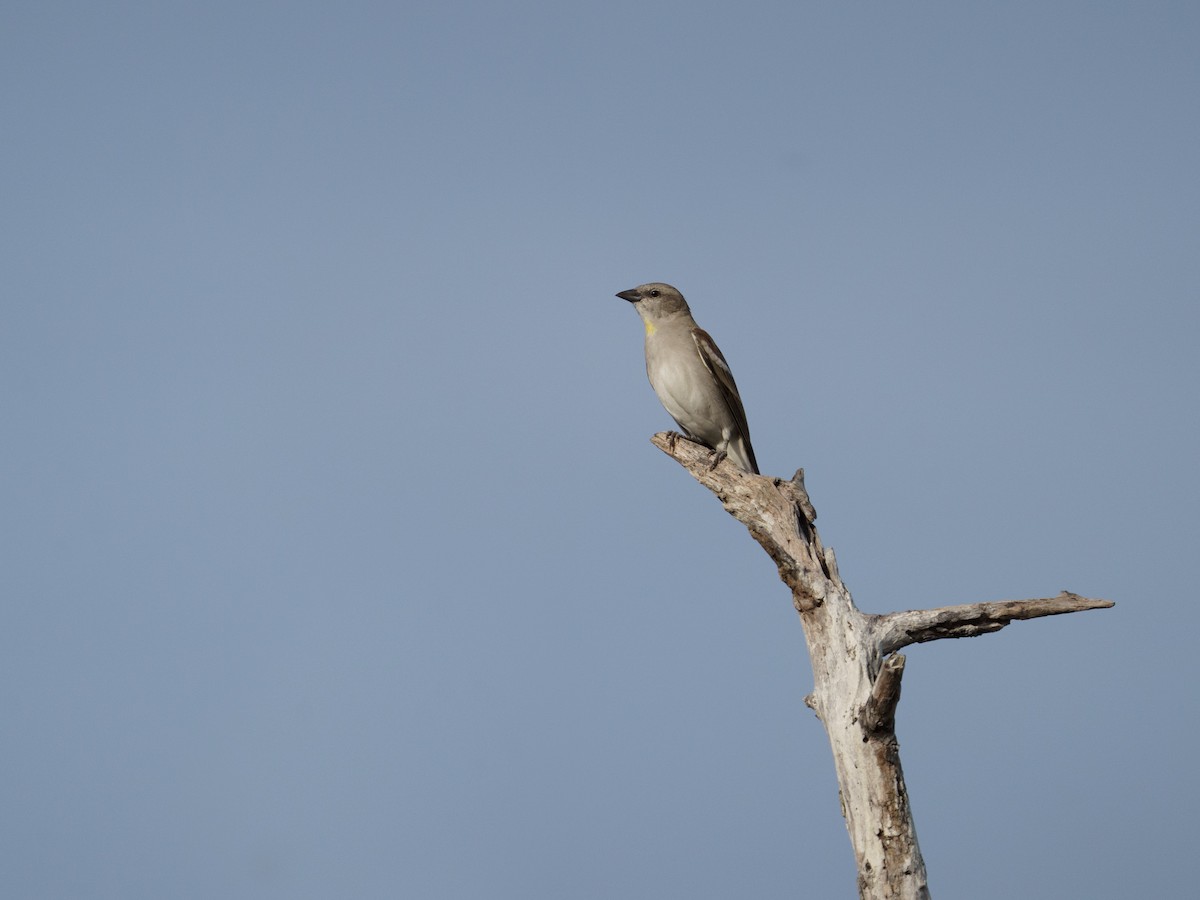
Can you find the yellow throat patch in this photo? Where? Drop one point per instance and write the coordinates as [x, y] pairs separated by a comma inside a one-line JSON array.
[[650, 329]]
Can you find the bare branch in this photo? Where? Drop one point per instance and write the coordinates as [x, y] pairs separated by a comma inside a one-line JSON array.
[[914, 626], [879, 712], [777, 513], [856, 671]]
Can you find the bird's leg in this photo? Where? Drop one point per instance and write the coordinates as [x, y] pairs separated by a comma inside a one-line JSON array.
[[717, 459], [675, 436]]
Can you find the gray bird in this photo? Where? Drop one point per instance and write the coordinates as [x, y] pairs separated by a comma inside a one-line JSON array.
[[690, 375]]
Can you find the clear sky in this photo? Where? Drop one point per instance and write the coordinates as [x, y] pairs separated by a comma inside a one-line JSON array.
[[337, 562]]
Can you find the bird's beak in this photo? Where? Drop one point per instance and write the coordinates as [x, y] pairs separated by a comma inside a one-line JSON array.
[[631, 295]]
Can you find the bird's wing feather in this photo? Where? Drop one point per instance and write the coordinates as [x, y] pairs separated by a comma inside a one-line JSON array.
[[714, 361]]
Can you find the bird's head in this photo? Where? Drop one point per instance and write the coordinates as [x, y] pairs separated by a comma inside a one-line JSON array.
[[656, 301]]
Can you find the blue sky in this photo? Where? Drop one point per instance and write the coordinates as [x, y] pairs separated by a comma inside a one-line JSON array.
[[338, 562]]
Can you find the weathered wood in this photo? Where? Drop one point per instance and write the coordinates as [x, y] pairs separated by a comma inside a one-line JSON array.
[[915, 626], [879, 712], [856, 674]]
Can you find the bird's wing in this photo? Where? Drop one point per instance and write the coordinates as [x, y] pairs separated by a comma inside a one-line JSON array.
[[714, 361]]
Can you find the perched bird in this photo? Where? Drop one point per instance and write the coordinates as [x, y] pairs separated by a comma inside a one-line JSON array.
[[689, 374]]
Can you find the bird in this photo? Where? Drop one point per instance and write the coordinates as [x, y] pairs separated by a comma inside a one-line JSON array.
[[690, 375]]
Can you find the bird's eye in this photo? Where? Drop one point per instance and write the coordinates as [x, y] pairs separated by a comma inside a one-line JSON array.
[[654, 293]]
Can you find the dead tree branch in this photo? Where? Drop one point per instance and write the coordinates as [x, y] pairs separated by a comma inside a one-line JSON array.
[[879, 712], [915, 626], [856, 672]]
